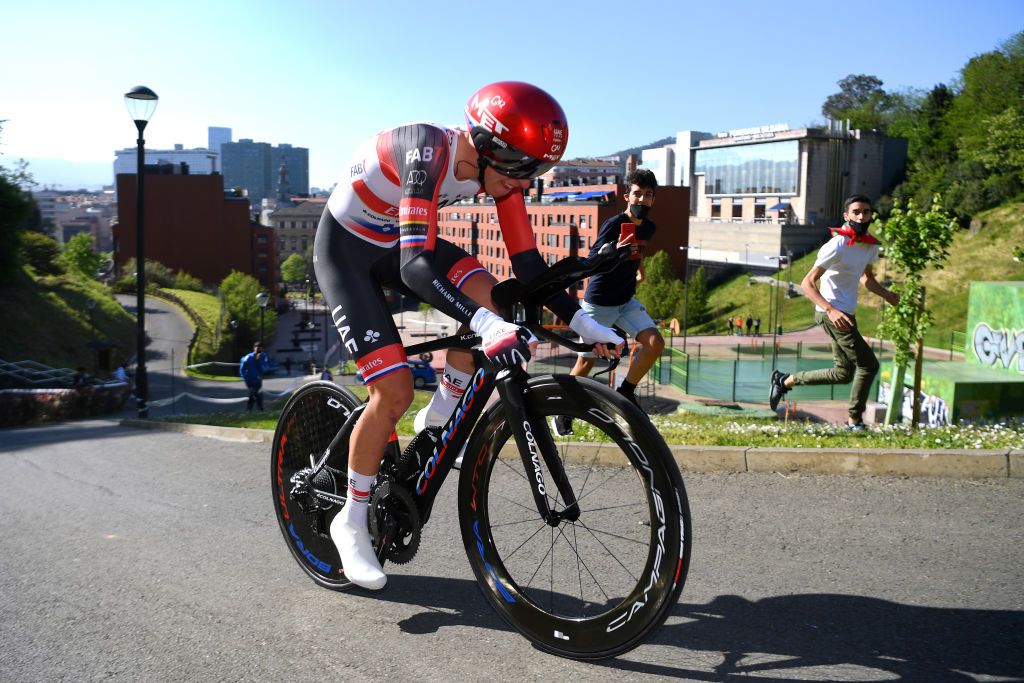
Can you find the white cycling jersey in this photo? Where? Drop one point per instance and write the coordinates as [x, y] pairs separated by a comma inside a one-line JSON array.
[[366, 202]]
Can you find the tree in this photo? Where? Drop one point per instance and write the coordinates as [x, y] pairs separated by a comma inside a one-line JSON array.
[[697, 292], [80, 257], [862, 100], [42, 253], [239, 293], [915, 241], [661, 291], [15, 209], [294, 268]]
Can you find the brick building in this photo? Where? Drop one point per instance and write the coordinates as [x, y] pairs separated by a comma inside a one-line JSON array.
[[193, 225]]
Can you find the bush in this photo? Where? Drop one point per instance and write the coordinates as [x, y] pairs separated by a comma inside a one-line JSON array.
[[183, 280], [42, 253]]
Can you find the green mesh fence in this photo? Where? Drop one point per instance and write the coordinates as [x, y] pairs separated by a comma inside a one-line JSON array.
[[741, 372]]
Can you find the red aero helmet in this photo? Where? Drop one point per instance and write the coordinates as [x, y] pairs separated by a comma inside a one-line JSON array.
[[519, 128]]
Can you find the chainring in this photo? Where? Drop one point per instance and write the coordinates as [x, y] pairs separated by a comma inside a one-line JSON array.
[[394, 515]]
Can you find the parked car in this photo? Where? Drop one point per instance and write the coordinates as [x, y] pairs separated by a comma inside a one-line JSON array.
[[422, 373]]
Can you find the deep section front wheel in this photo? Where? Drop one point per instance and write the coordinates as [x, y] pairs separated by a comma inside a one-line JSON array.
[[311, 418], [595, 585]]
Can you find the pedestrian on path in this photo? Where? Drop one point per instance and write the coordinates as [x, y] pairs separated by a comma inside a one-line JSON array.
[[730, 326], [842, 263], [757, 326], [251, 369]]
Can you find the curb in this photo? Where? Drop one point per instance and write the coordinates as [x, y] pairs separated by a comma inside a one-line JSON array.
[[878, 462]]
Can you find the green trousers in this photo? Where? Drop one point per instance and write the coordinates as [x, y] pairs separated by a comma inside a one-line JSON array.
[[854, 361]]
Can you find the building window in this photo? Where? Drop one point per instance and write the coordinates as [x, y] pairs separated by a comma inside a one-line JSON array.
[[750, 169]]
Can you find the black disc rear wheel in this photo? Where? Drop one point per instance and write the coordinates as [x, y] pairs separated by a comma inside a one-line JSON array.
[[310, 420]]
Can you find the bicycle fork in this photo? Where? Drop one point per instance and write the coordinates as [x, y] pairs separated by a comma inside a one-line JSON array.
[[535, 444]]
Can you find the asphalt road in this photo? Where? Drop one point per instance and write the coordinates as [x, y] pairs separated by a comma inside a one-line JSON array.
[[171, 391], [151, 556]]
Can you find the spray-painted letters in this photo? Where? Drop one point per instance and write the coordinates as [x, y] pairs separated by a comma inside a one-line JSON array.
[[998, 345]]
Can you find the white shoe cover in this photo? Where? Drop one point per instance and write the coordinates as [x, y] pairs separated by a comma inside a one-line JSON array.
[[356, 550], [427, 418]]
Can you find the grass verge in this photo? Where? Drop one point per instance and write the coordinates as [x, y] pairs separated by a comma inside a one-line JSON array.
[[700, 429]]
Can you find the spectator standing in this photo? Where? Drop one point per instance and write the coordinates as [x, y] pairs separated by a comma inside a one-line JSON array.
[[757, 326], [750, 323], [251, 369], [611, 297], [731, 323]]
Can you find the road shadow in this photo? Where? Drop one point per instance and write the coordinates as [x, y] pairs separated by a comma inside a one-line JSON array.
[[102, 427], [773, 638]]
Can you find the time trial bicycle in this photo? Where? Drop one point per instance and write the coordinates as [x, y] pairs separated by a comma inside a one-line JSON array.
[[581, 543]]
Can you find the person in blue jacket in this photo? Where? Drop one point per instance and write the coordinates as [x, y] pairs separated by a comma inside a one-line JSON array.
[[251, 369]]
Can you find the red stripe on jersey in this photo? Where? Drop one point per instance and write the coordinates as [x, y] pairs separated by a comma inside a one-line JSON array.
[[462, 268], [372, 201], [385, 155], [369, 234], [514, 222]]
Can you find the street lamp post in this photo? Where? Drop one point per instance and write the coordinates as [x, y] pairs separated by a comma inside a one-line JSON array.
[[141, 103], [777, 323], [262, 298], [746, 256], [686, 292], [234, 338], [789, 264]]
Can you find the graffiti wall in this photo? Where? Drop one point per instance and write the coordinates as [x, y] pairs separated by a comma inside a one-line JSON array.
[[995, 326]]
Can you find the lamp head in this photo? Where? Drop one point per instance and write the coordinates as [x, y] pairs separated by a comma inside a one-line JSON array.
[[141, 103]]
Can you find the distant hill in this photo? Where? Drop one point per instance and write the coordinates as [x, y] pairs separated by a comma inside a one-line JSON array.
[[636, 150]]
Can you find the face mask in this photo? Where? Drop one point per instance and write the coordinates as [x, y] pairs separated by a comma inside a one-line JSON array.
[[860, 228], [639, 211]]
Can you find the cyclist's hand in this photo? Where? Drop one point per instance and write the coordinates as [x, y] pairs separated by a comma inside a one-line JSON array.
[[505, 344], [607, 342]]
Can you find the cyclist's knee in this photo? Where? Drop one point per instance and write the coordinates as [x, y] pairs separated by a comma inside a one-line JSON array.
[[391, 399]]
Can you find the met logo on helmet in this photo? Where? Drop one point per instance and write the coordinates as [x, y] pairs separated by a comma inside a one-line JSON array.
[[484, 117]]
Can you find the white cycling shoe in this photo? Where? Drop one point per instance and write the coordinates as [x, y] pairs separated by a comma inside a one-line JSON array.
[[428, 418], [356, 551]]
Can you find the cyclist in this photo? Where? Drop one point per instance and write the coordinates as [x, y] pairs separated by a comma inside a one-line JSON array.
[[380, 229]]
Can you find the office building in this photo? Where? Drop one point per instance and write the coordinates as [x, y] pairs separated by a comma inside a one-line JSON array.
[[776, 187], [197, 161], [217, 136], [254, 167]]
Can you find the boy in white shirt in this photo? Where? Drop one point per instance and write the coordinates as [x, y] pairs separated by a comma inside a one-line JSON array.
[[842, 262]]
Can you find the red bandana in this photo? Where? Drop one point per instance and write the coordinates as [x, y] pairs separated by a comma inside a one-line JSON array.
[[847, 231]]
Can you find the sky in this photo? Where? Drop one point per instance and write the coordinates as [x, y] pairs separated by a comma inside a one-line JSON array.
[[327, 74]]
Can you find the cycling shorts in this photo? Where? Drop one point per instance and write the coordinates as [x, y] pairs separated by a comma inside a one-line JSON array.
[[353, 273]]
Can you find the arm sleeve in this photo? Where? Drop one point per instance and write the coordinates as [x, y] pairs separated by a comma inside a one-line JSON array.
[[527, 262], [419, 153]]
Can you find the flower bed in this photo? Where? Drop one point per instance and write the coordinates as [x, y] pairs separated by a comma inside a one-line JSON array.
[[27, 406]]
